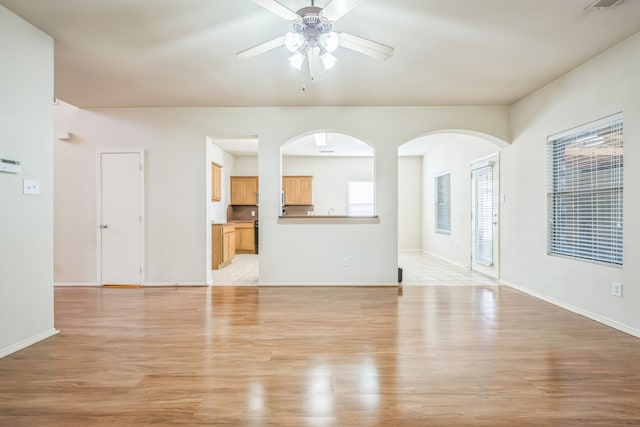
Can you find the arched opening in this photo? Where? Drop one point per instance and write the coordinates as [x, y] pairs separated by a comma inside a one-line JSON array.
[[327, 173], [448, 206]]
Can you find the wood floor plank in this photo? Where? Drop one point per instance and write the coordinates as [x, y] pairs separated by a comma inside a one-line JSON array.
[[312, 356]]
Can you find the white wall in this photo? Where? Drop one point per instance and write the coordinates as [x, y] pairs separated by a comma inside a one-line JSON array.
[[246, 165], [607, 84], [218, 210], [26, 222], [410, 203], [454, 157], [330, 178], [175, 176]]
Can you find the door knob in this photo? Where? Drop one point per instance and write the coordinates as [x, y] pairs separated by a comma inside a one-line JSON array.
[[104, 226]]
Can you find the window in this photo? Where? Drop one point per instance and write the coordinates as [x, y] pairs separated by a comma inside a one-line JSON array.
[[585, 192], [360, 196], [443, 203], [483, 215]]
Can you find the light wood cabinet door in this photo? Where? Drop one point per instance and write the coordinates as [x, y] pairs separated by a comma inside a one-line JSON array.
[[223, 245], [216, 182], [226, 246], [298, 190], [244, 190], [290, 188], [305, 190], [245, 238], [251, 190]]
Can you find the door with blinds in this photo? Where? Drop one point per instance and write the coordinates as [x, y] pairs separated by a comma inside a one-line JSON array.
[[484, 216]]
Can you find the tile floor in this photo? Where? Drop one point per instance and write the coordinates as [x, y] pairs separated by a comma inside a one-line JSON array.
[[419, 269], [243, 271]]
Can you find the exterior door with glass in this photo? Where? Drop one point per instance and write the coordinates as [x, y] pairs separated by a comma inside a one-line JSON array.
[[485, 226]]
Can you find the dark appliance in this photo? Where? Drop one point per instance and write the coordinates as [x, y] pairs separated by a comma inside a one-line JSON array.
[[255, 234]]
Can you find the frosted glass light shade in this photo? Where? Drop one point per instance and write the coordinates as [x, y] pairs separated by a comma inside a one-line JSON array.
[[328, 60], [296, 60], [330, 41], [293, 41]]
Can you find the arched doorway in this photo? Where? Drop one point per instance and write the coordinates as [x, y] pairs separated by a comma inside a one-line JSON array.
[[438, 170]]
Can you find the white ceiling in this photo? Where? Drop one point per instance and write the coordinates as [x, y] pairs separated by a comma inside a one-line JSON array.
[[124, 53]]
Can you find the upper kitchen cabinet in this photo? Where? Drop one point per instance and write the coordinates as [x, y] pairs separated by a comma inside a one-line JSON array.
[[244, 190], [298, 190], [216, 182]]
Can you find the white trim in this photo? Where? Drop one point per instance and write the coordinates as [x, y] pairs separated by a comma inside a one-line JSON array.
[[483, 161], [27, 342], [77, 284], [410, 250], [598, 318], [466, 267], [595, 123], [177, 284], [99, 211]]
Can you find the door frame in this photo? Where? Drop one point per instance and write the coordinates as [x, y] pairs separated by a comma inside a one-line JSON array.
[[495, 157], [100, 152]]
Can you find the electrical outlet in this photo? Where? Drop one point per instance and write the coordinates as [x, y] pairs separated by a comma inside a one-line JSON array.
[[616, 289], [253, 213], [30, 186], [345, 262]]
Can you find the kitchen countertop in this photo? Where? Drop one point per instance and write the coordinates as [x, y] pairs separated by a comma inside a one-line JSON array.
[[328, 219]]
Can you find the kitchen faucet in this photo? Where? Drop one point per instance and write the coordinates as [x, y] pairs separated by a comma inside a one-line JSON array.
[[331, 211]]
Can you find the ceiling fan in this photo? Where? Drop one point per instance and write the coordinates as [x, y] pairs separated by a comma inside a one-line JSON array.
[[313, 38]]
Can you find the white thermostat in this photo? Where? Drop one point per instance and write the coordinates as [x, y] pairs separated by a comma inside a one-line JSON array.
[[11, 166]]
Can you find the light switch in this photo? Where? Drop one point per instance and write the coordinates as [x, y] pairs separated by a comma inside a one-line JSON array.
[[30, 186]]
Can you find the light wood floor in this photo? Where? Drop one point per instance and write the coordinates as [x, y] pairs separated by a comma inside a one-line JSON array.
[[247, 356]]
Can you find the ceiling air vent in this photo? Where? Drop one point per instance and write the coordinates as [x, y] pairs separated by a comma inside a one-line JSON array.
[[604, 4]]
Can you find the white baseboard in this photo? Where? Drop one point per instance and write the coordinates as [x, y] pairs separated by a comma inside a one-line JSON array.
[[27, 342], [77, 284], [593, 316], [159, 284], [466, 267], [153, 284], [410, 250]]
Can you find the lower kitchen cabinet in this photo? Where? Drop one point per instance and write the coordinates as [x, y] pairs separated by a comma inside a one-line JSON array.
[[223, 245], [245, 238]]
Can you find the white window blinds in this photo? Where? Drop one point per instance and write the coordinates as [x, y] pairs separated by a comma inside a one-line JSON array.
[[360, 196], [482, 196], [585, 192], [443, 203]]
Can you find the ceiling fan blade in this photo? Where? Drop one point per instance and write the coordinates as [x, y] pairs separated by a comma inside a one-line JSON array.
[[261, 48], [368, 47], [338, 8], [315, 65], [277, 8]]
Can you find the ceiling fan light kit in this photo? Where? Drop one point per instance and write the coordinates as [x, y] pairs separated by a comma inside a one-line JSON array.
[[313, 38]]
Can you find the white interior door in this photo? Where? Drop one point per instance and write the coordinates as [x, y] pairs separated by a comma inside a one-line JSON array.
[[120, 218], [484, 216]]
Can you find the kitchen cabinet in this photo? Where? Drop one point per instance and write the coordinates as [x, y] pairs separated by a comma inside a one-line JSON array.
[[244, 190], [216, 182], [223, 245], [245, 238], [298, 190]]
